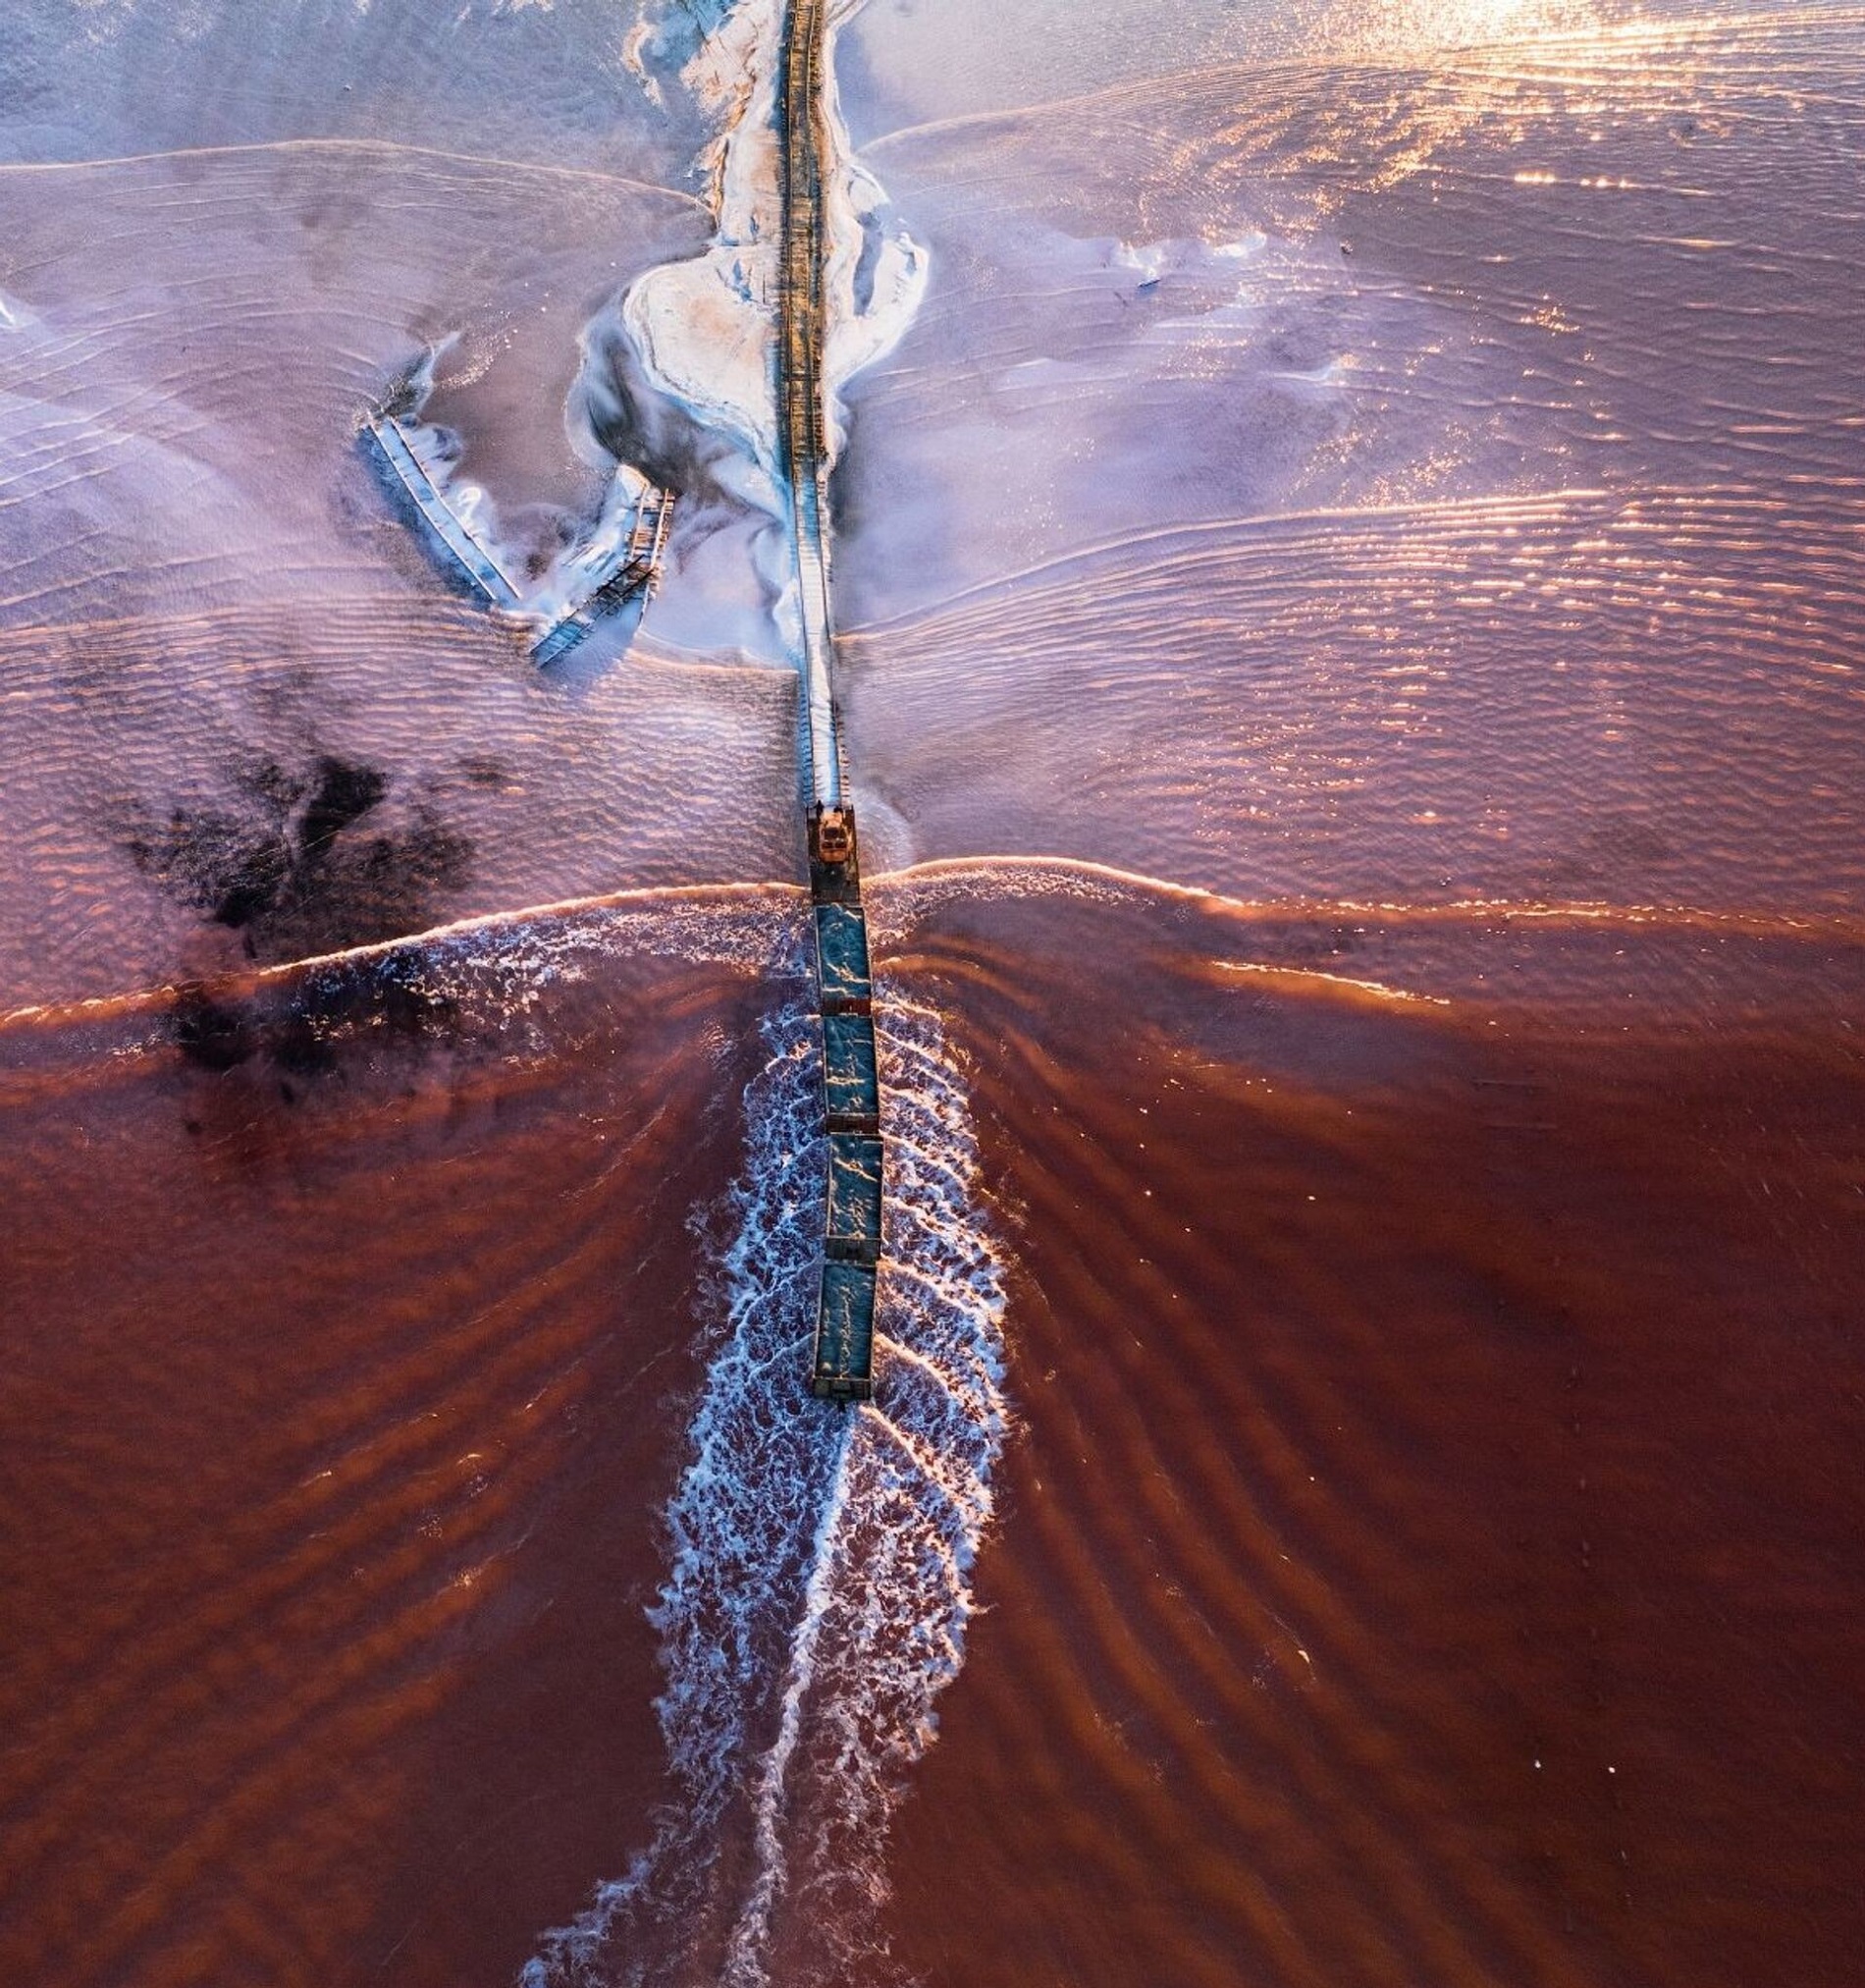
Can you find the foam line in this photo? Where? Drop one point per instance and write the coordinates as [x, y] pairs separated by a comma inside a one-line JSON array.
[[744, 1967]]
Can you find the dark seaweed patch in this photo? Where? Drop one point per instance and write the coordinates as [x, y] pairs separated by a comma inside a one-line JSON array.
[[299, 1040], [314, 862], [250, 882], [208, 1033], [344, 794], [298, 1030]]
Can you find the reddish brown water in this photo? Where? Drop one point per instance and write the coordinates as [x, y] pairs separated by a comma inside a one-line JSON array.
[[335, 1420], [1430, 1552], [1426, 1551], [1413, 487]]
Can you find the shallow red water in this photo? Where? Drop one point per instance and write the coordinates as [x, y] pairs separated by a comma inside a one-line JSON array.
[[338, 1410], [1425, 1551], [1429, 1552]]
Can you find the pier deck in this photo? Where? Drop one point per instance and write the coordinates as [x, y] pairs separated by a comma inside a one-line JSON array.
[[842, 1363]]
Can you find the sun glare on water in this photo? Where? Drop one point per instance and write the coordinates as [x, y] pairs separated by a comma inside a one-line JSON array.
[[1424, 26]]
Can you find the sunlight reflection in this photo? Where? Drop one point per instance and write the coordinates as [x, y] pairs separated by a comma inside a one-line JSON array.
[[1419, 27]]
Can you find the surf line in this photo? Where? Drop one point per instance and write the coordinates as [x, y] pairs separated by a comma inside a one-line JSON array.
[[842, 1362]]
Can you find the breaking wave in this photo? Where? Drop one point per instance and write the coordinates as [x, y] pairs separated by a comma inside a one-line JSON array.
[[819, 1588]]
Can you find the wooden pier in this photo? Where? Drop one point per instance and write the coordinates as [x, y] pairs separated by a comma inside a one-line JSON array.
[[842, 1362]]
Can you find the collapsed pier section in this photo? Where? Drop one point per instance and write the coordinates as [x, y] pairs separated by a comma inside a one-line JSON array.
[[614, 569]]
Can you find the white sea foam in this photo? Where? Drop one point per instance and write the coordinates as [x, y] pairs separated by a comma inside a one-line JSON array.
[[819, 1584]]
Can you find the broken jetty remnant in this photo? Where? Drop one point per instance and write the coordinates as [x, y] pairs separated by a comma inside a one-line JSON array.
[[612, 568]]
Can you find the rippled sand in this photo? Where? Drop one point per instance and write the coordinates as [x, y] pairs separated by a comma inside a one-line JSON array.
[[1422, 481]]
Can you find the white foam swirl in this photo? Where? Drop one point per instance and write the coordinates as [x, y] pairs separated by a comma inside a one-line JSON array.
[[818, 1587]]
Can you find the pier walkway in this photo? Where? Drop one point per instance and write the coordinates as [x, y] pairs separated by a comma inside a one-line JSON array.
[[617, 565], [842, 1363]]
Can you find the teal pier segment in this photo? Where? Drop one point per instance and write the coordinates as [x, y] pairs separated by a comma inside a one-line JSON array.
[[842, 1368], [854, 1198], [841, 959], [851, 1079], [845, 1335]]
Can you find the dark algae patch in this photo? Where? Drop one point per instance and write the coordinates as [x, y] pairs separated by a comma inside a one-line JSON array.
[[306, 861], [209, 1035], [343, 794], [295, 1029]]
